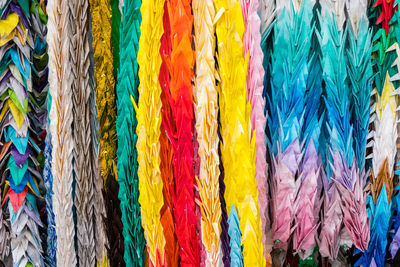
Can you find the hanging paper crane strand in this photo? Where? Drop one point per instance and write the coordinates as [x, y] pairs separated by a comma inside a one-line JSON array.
[[383, 115], [238, 150], [149, 106], [206, 112], [60, 129], [128, 81], [39, 109], [21, 130], [384, 120], [84, 197], [41, 106], [287, 105], [254, 84], [180, 66], [307, 202], [340, 155], [393, 194], [113, 223], [351, 178], [166, 151], [224, 237]]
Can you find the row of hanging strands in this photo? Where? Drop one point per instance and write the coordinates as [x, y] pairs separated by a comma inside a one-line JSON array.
[[199, 133]]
